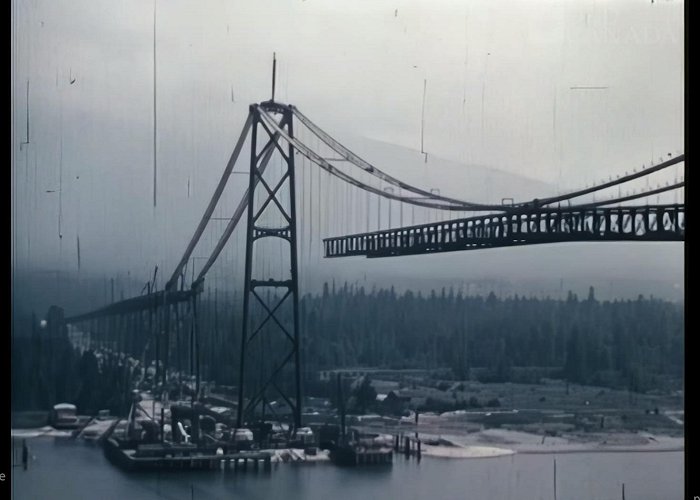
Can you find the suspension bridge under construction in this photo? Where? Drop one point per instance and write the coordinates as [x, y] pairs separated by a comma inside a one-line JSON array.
[[269, 360]]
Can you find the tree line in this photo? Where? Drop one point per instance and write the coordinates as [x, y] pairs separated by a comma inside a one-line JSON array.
[[633, 344], [637, 344]]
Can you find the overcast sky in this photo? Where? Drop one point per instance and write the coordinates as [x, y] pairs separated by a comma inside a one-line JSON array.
[[498, 79]]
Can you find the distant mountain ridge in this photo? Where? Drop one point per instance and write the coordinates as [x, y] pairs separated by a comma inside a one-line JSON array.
[[478, 183]]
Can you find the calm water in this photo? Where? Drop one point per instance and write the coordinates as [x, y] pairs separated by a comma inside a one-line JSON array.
[[65, 469]]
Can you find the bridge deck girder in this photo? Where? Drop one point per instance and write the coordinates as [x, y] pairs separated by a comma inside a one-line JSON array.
[[646, 223]]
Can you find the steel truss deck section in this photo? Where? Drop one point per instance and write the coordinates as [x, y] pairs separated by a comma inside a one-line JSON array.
[[137, 304], [642, 223]]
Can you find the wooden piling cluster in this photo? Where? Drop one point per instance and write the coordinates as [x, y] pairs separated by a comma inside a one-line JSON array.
[[360, 455], [236, 463], [408, 445], [370, 457], [240, 462]]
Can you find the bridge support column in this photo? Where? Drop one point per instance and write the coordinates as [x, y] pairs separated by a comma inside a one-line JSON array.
[[270, 319]]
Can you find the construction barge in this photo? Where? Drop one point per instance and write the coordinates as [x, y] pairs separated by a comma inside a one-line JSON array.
[[149, 457], [195, 437], [146, 444]]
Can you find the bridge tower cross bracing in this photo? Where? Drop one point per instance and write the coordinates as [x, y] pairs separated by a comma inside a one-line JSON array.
[[286, 336]]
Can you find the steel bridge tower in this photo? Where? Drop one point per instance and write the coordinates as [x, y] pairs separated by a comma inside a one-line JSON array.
[[277, 194]]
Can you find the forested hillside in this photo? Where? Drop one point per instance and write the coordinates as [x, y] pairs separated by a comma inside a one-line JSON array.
[[637, 344]]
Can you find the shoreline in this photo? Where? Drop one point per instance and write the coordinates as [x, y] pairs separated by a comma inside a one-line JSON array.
[[491, 443], [496, 452], [631, 449], [495, 442], [517, 442]]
